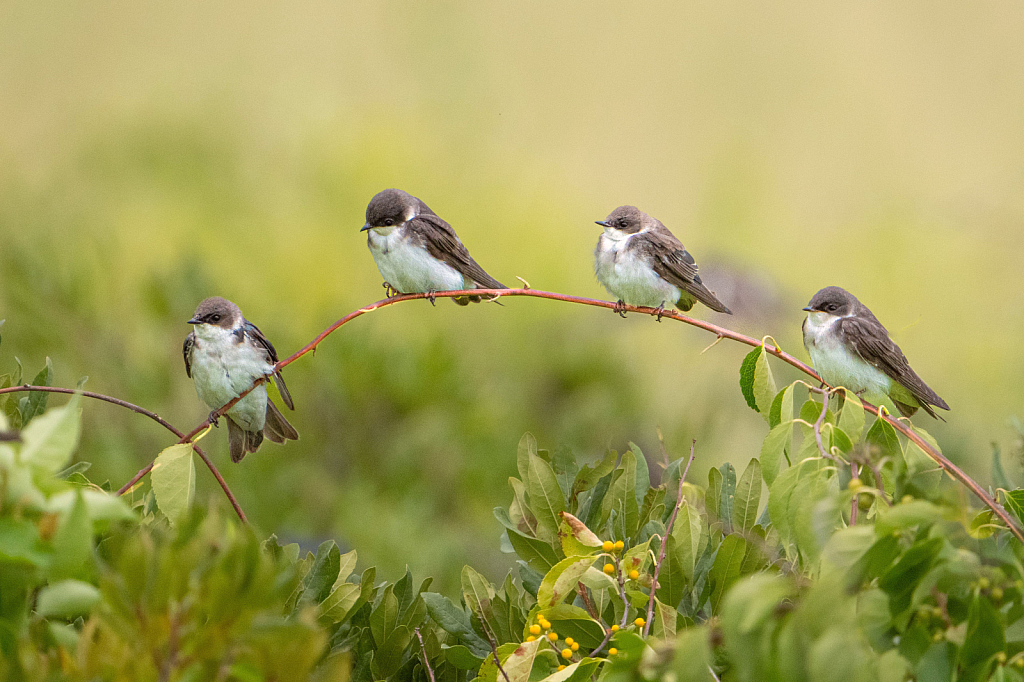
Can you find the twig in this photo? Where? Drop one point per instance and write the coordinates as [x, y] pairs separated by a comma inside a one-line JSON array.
[[821, 420], [621, 581], [953, 470], [856, 496], [423, 650], [152, 415], [664, 540], [591, 609], [494, 647], [712, 671]]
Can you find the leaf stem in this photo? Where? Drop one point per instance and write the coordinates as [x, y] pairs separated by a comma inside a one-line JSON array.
[[664, 540]]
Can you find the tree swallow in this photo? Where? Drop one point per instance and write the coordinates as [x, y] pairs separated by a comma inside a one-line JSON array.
[[417, 252], [849, 347], [639, 261], [224, 354]]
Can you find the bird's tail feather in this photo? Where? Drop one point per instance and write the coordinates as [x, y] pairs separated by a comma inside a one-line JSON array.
[[242, 442], [277, 428]]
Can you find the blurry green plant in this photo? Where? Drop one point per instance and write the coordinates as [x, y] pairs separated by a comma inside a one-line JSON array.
[[882, 576]]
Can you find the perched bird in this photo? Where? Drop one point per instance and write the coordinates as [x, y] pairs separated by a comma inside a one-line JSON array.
[[224, 354], [849, 347], [418, 252], [639, 261]]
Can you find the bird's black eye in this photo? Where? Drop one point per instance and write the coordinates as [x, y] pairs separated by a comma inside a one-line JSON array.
[[389, 221], [623, 222], [832, 307], [214, 318]]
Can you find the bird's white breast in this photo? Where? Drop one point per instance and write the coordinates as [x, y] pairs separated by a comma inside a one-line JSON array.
[[836, 364], [627, 276], [408, 267], [223, 368]]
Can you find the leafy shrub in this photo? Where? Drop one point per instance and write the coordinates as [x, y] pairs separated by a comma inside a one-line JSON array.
[[889, 575]]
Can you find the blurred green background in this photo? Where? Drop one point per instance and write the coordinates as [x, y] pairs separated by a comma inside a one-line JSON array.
[[153, 154]]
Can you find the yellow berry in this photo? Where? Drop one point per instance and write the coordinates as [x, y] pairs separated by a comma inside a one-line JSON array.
[[619, 545], [997, 593], [561, 667], [937, 637], [530, 638], [615, 628], [1019, 584], [639, 622], [613, 651], [609, 568], [534, 629], [575, 646], [937, 612], [855, 484], [607, 545], [983, 583], [907, 498], [633, 575], [1019, 662], [553, 636], [568, 641], [1001, 657], [566, 653]]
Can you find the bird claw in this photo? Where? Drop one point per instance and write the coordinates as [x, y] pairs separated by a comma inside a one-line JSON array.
[[620, 308], [389, 290], [214, 418], [432, 297], [661, 311]]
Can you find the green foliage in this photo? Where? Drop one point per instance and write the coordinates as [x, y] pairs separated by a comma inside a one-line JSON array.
[[783, 587]]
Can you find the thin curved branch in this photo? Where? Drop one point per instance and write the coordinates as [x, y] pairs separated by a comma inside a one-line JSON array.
[[138, 410], [953, 470]]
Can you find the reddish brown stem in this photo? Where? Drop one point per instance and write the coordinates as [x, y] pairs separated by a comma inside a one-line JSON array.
[[721, 332], [152, 415]]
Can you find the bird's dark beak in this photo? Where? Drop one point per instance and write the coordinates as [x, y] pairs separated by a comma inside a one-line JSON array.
[[809, 309], [194, 320], [366, 227], [602, 223]]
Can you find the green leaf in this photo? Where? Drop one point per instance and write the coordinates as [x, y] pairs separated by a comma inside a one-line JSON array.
[[852, 417], [519, 664], [588, 476], [900, 581], [539, 554], [883, 436], [728, 495], [999, 477], [778, 441], [642, 480], [37, 400], [339, 604], [782, 407], [50, 439], [764, 385], [577, 539], [323, 574], [546, 498], [985, 637], [461, 657], [687, 533], [621, 496], [748, 497], [72, 544], [384, 618], [713, 498], [572, 621], [527, 447], [173, 479], [727, 567], [67, 599], [455, 621], [1015, 503], [561, 580], [747, 373]]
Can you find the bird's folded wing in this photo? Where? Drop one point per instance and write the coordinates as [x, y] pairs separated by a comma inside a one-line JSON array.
[[442, 243]]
